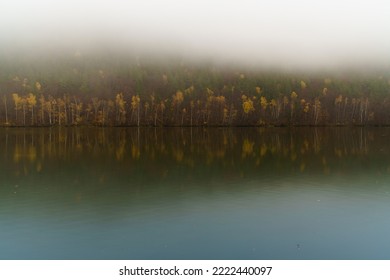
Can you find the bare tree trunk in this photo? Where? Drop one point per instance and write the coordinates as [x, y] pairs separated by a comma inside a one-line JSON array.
[[24, 114], [32, 115], [138, 115]]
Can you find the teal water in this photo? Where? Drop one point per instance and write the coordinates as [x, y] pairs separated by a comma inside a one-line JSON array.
[[172, 193]]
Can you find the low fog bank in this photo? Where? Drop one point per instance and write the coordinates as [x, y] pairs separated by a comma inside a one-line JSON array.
[[285, 35], [59, 51]]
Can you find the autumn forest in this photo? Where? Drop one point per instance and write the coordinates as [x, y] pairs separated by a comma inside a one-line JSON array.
[[78, 90]]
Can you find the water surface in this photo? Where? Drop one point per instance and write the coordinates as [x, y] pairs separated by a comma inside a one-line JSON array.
[[182, 193]]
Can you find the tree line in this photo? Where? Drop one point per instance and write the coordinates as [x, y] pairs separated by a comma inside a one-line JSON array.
[[113, 92]]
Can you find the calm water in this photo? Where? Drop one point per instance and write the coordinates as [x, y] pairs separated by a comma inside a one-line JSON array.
[[128, 193]]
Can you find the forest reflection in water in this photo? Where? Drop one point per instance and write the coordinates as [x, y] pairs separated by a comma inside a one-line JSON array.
[[236, 151], [185, 193]]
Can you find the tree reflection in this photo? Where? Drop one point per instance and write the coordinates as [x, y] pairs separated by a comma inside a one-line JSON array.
[[155, 150]]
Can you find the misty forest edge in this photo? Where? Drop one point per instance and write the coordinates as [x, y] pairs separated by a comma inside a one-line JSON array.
[[80, 90]]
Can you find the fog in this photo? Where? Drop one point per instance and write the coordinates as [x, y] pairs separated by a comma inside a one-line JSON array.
[[280, 33]]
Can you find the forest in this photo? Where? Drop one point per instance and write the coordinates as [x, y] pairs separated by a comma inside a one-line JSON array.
[[112, 90]]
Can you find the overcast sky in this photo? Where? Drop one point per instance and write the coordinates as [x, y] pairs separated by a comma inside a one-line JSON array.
[[272, 32]]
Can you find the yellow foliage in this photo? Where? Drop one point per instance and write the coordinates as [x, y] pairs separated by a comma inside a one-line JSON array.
[[258, 90], [303, 85], [263, 102], [220, 99], [178, 97], [317, 103], [306, 107], [225, 113], [338, 100], [189, 90], [135, 100], [209, 91], [38, 86], [120, 102], [31, 100], [18, 100], [247, 105], [294, 95], [285, 100]]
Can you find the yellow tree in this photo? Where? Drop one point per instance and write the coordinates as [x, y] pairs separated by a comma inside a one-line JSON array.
[[66, 108], [24, 106], [184, 111], [120, 104], [225, 115], [337, 103], [42, 103], [88, 111], [78, 109], [49, 108], [247, 105], [294, 97], [273, 104], [305, 107], [135, 106], [31, 101], [18, 104], [285, 103], [317, 109], [38, 86], [263, 105], [61, 111]]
